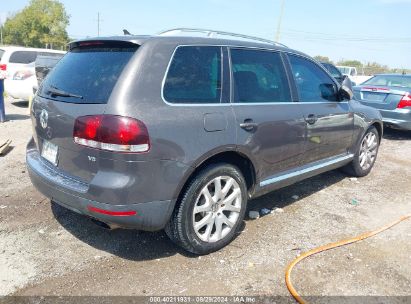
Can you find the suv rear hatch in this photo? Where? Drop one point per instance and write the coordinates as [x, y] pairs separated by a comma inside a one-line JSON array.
[[80, 84]]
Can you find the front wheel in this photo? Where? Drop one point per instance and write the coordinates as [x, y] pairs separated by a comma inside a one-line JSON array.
[[210, 211], [366, 154]]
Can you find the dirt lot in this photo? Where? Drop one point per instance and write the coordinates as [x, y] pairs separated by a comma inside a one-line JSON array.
[[47, 250]]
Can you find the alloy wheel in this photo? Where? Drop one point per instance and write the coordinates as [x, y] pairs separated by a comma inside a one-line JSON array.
[[368, 150], [217, 209]]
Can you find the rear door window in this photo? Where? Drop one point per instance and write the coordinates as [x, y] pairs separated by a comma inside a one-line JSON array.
[[194, 75], [259, 76], [23, 57], [89, 72]]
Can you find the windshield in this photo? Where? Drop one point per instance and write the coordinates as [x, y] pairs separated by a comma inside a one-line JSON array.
[[90, 72], [390, 81]]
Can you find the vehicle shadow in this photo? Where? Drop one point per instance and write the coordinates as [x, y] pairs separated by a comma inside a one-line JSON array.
[[395, 134], [16, 117], [288, 195], [138, 245], [20, 103], [128, 244]]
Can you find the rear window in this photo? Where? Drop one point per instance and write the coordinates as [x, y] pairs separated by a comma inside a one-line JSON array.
[[194, 75], [333, 70], [90, 72], [57, 55], [23, 57], [1, 54], [390, 81]]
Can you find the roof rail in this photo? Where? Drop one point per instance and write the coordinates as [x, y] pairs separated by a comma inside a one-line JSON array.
[[211, 33]]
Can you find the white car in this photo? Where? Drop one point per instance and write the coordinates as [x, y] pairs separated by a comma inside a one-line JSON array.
[[351, 72], [18, 65]]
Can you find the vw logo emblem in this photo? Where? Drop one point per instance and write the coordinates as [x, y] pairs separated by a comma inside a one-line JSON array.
[[44, 117]]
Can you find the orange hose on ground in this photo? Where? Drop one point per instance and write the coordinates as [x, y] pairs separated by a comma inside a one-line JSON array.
[[361, 237]]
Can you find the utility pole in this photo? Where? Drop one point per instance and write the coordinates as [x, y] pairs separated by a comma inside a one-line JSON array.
[[98, 24], [1, 31], [280, 20]]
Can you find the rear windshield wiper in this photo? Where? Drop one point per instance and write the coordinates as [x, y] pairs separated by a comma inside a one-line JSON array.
[[57, 92]]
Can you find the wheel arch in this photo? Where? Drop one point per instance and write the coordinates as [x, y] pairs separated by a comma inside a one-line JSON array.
[[233, 157], [380, 129]]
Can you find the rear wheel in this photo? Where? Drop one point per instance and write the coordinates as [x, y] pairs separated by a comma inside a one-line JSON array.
[[366, 154], [210, 211]]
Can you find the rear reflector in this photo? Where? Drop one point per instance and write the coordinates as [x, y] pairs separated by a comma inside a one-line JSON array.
[[112, 213], [112, 133], [405, 101]]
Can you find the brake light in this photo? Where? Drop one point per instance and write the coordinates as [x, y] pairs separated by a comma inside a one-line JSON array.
[[112, 133], [405, 101], [91, 43], [22, 75], [3, 67]]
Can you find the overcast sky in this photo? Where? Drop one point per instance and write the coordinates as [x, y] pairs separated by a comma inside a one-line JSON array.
[[367, 30]]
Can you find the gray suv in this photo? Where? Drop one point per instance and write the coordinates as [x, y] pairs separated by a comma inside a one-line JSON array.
[[178, 132]]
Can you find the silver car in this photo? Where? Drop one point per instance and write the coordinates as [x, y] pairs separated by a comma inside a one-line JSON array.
[[391, 94]]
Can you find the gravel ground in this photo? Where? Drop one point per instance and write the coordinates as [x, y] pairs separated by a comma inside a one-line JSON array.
[[47, 250]]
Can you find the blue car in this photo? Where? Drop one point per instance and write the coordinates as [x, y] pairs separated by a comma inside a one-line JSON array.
[[391, 94]]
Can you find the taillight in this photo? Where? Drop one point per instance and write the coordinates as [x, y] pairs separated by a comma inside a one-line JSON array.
[[112, 133], [405, 101], [22, 75], [3, 67]]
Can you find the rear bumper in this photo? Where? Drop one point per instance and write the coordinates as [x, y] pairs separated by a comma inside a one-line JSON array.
[[399, 118], [70, 193]]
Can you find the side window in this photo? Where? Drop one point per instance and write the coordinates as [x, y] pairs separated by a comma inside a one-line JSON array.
[[23, 57], [259, 76], [194, 75], [313, 84]]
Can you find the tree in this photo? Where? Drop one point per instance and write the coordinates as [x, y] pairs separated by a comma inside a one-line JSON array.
[[42, 23], [351, 63], [323, 59]]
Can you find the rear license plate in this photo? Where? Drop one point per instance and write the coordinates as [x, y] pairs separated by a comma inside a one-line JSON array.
[[377, 97], [50, 152]]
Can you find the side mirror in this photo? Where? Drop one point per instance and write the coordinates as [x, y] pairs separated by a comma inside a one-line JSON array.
[[328, 91], [346, 92]]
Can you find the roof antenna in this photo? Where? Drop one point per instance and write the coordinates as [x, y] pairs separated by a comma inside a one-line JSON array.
[[126, 32]]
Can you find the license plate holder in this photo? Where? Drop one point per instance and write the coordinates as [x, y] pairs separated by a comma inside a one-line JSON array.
[[50, 152]]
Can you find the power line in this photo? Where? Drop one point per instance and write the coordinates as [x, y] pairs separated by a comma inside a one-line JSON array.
[[344, 37]]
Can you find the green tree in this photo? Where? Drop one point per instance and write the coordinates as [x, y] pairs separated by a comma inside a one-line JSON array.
[[42, 23], [323, 59], [351, 63]]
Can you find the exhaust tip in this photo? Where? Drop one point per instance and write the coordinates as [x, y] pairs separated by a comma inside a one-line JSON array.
[[102, 224]]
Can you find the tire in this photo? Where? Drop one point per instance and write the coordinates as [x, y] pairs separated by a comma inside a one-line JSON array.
[[201, 204], [357, 167]]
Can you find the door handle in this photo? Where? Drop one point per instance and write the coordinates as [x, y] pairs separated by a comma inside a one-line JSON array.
[[248, 125], [311, 119]]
